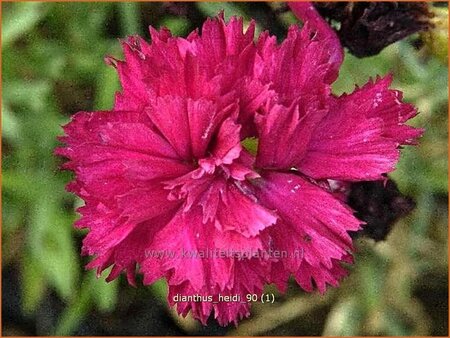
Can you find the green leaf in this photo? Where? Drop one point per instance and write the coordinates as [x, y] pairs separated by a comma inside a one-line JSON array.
[[251, 144], [33, 284], [75, 312], [130, 18], [27, 186], [104, 293], [436, 38], [177, 25], [10, 125], [159, 289], [107, 85], [51, 243], [214, 8], [13, 217], [344, 318], [30, 99], [394, 324], [20, 18], [92, 291]]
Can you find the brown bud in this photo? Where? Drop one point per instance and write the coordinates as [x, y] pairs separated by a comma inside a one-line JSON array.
[[380, 204], [365, 28]]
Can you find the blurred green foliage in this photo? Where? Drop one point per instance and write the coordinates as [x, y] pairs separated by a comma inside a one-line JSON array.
[[52, 67]]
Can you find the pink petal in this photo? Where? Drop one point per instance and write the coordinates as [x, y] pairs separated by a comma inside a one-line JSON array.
[[387, 105], [232, 242], [308, 274], [132, 73], [307, 61], [248, 279], [220, 41], [315, 231], [183, 236], [111, 152], [227, 146], [242, 213], [230, 206], [116, 242], [143, 204], [285, 132], [311, 18], [253, 96], [204, 119], [359, 138], [188, 125], [169, 114]]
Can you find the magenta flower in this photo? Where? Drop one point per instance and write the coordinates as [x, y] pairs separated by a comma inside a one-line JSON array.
[[171, 191]]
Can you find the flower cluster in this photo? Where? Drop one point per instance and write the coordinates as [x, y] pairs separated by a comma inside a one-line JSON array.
[[222, 142]]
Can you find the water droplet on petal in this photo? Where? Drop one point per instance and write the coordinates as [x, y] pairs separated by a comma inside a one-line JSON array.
[[295, 188]]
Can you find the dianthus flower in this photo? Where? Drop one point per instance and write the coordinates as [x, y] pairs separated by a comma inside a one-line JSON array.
[[173, 168]]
